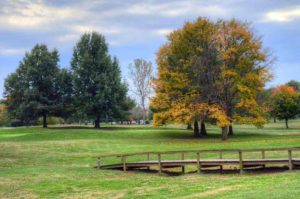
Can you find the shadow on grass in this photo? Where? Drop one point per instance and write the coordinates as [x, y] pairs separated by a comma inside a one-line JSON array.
[[254, 171], [111, 128]]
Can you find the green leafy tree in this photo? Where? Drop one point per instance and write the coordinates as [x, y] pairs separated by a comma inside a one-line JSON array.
[[65, 91], [285, 103], [295, 84], [98, 89], [32, 89]]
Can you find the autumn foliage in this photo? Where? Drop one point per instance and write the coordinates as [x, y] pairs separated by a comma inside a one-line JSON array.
[[284, 102], [211, 71]]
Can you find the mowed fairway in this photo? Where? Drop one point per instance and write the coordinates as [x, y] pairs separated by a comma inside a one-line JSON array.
[[58, 163]]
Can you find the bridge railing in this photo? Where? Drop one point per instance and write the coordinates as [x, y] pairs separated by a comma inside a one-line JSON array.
[[197, 154]]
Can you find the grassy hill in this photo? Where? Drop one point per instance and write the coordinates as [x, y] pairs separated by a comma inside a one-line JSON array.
[[58, 163]]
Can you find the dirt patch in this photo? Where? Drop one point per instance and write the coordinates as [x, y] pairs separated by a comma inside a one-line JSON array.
[[211, 193], [97, 194]]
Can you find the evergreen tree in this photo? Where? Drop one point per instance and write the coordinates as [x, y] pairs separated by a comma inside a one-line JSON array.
[[98, 89], [32, 89]]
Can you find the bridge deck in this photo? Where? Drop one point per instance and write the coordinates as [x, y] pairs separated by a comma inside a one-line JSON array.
[[204, 163], [292, 159]]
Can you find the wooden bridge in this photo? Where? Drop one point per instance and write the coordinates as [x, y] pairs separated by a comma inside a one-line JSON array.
[[289, 157]]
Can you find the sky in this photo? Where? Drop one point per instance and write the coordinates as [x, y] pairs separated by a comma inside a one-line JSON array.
[[137, 28]]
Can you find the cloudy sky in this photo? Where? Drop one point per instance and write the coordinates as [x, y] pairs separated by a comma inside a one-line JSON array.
[[136, 28]]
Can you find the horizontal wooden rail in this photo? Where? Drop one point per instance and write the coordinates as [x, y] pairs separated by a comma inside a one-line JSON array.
[[200, 162], [262, 150]]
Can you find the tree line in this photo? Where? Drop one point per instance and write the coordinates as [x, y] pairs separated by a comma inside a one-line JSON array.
[[92, 88], [208, 71]]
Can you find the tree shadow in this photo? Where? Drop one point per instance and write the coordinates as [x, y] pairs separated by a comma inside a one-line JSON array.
[[250, 171]]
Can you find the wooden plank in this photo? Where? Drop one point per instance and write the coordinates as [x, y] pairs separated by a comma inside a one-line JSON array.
[[290, 160], [204, 151], [241, 161]]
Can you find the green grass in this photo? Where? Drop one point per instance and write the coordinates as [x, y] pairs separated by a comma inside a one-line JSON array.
[[58, 163]]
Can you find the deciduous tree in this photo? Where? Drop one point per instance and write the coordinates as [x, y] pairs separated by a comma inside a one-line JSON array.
[[285, 103], [211, 70], [141, 73]]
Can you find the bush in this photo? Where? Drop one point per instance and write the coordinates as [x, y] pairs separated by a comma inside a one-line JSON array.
[[16, 123], [52, 120]]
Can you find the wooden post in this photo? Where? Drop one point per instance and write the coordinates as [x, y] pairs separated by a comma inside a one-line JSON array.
[[182, 167], [98, 163], [263, 156], [159, 163], [148, 159], [124, 163], [221, 166], [290, 160], [148, 156], [198, 163], [241, 162]]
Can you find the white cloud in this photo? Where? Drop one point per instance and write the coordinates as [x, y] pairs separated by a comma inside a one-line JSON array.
[[12, 51], [96, 27], [35, 14], [284, 15], [163, 32], [176, 9]]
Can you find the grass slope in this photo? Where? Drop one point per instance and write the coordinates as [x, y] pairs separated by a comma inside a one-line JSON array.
[[57, 163]]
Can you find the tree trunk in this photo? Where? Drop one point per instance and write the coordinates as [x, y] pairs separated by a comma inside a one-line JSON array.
[[203, 129], [189, 126], [230, 130], [286, 123], [97, 123], [44, 120], [224, 132], [196, 129]]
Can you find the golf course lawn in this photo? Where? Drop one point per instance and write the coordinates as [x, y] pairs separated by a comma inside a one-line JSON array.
[[58, 163]]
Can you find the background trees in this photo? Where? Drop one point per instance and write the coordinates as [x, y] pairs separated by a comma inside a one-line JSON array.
[[98, 89], [211, 70], [32, 90], [285, 103], [141, 73]]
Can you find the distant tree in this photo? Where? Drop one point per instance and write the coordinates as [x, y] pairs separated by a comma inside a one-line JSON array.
[[123, 113], [98, 90], [141, 73], [32, 89], [4, 118], [137, 113], [294, 84], [285, 103]]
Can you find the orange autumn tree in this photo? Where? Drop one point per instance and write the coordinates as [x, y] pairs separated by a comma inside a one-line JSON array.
[[213, 71]]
